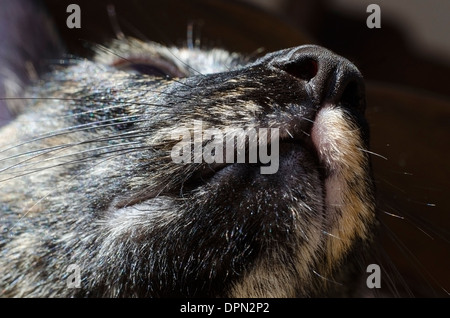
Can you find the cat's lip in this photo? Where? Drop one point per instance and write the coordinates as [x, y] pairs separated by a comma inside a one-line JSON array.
[[213, 171], [289, 134], [225, 172]]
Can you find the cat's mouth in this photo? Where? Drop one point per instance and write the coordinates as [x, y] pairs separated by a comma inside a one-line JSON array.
[[288, 149], [289, 155], [323, 148], [274, 157]]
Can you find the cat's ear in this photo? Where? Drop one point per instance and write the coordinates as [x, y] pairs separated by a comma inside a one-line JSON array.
[[29, 43]]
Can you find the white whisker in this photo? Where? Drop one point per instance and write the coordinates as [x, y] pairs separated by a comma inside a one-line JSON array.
[[373, 153]]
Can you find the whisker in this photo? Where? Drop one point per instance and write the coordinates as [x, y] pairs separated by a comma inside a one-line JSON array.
[[289, 134], [424, 232], [131, 134], [394, 215], [440, 232], [415, 263], [74, 129], [307, 119], [26, 160], [75, 161], [386, 181], [307, 134], [53, 191], [185, 64], [327, 279], [20, 165], [373, 153], [333, 236], [120, 103], [390, 270]]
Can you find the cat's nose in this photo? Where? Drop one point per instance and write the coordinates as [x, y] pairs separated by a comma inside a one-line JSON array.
[[328, 77]]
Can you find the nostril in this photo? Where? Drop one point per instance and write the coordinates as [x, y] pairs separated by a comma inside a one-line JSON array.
[[325, 77], [305, 69]]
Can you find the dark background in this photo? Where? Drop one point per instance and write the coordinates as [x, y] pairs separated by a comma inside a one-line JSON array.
[[407, 93]]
